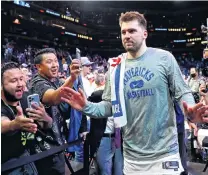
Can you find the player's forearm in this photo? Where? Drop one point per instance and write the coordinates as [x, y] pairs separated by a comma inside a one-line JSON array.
[[102, 109]]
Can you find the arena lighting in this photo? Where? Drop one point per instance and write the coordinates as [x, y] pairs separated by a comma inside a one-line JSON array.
[[58, 26], [21, 3], [16, 21], [190, 44], [52, 13], [179, 41], [177, 29], [27, 5], [67, 17], [204, 42], [194, 39], [188, 34], [84, 37], [71, 19], [69, 33], [78, 35], [161, 29]]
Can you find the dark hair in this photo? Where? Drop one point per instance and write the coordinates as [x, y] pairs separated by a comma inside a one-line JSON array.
[[39, 55], [133, 15], [8, 66]]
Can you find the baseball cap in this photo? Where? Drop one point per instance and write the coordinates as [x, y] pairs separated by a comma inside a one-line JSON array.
[[85, 61]]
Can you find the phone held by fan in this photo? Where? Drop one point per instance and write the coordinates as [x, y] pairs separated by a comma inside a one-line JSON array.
[[33, 99], [78, 56]]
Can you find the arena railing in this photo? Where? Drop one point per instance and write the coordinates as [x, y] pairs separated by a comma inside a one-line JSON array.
[[32, 158]]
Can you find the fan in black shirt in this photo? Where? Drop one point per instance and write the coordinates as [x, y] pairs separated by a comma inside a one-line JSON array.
[[50, 92], [17, 130]]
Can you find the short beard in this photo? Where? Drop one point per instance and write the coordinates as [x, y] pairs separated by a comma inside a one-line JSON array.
[[134, 49], [9, 97]]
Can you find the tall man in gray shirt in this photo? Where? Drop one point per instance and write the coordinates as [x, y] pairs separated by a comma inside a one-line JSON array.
[[150, 143]]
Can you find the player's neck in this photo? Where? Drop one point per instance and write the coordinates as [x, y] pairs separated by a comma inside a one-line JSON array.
[[140, 52]]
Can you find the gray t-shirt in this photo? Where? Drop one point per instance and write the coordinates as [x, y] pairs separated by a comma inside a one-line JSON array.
[[149, 80], [151, 131]]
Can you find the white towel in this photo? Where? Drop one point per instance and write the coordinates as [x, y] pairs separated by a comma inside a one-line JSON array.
[[117, 69]]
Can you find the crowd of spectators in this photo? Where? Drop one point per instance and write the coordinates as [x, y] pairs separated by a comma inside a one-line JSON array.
[[25, 54]]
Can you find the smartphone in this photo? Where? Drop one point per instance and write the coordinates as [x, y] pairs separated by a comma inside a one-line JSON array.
[[33, 99], [78, 56]]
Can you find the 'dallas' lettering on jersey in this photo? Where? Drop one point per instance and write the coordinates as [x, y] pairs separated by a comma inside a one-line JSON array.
[[136, 78]]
